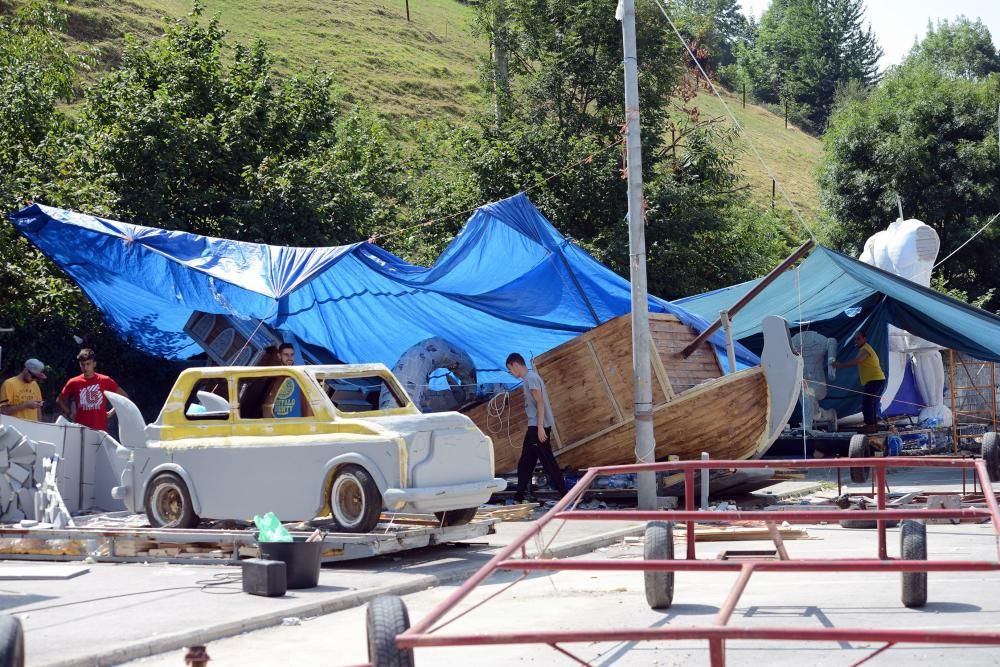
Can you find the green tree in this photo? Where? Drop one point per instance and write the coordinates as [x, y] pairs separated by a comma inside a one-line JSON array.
[[190, 142], [805, 49], [928, 135], [963, 49]]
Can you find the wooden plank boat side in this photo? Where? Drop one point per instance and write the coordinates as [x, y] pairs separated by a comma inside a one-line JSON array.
[[590, 386], [726, 417]]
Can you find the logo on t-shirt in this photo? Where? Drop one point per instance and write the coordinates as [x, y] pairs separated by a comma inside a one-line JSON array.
[[91, 397]]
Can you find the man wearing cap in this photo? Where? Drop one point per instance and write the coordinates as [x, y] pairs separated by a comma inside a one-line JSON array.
[[87, 391], [20, 396]]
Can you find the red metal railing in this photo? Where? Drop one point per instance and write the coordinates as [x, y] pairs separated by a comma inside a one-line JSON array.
[[424, 633]]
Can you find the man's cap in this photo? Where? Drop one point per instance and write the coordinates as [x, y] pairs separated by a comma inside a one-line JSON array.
[[36, 368]]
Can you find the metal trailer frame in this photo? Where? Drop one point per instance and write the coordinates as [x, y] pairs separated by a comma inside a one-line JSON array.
[[336, 546], [424, 632]]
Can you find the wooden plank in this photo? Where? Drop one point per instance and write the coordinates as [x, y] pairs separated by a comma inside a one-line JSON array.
[[604, 379]]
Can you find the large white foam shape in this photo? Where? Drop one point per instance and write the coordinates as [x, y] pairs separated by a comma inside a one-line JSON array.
[[909, 248]]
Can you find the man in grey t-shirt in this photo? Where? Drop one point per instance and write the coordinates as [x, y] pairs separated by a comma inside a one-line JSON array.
[[537, 445]]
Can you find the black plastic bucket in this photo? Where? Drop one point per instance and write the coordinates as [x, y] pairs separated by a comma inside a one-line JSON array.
[[301, 558]]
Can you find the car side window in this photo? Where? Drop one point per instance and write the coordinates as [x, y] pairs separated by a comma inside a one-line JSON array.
[[362, 394], [275, 396], [209, 400]]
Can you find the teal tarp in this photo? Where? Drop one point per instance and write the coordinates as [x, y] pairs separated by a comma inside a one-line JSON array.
[[838, 295]]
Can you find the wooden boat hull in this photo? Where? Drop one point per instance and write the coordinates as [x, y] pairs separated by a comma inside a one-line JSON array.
[[696, 408]]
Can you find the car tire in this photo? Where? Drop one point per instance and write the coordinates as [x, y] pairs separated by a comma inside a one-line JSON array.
[[386, 618], [355, 501], [659, 546], [913, 546], [168, 503], [859, 449], [456, 517], [11, 642], [991, 454]]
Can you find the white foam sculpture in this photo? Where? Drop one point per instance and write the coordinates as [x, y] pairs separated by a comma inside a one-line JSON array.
[[818, 353], [908, 248]]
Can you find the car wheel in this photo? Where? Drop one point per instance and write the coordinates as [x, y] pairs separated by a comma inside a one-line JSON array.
[[457, 517], [355, 500], [11, 642], [659, 546], [168, 503], [386, 618], [991, 454], [859, 449], [913, 546]]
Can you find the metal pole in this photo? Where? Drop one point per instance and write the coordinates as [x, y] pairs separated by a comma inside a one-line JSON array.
[[645, 444], [704, 484]]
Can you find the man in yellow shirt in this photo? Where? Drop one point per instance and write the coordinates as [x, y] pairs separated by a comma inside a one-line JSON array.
[[20, 395], [872, 379]]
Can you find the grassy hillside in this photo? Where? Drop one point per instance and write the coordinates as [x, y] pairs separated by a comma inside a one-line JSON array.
[[422, 68], [791, 154]]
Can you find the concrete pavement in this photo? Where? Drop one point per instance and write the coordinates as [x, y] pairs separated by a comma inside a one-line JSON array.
[[118, 612], [606, 600]]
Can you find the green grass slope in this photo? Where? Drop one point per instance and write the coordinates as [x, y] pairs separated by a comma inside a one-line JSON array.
[[792, 155], [422, 68]]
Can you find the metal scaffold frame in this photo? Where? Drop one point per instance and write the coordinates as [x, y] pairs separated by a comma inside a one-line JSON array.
[[970, 416], [912, 564]]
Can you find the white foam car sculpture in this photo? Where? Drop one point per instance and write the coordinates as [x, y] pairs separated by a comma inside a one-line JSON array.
[[303, 442]]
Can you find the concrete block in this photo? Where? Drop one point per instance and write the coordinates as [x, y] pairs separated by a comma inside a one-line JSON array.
[[4, 458]]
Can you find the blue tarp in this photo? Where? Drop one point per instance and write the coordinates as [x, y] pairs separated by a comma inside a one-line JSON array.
[[508, 282], [837, 295]]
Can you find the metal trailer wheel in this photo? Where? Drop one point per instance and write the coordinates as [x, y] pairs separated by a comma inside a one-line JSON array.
[[168, 503], [659, 546], [859, 449], [913, 546], [386, 617], [11, 642], [355, 500], [991, 454], [457, 517]]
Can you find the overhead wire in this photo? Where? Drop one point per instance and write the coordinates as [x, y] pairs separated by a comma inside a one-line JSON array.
[[739, 126]]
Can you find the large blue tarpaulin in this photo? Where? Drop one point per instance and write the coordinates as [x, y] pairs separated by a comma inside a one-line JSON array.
[[508, 282], [837, 295]]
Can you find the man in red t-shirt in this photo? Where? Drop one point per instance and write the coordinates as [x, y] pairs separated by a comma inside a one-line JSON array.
[[87, 391]]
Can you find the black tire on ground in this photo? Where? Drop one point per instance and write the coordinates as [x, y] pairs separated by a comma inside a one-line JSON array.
[[168, 503], [859, 449], [386, 617], [355, 500], [991, 454], [659, 546], [913, 546], [457, 517], [11, 642]]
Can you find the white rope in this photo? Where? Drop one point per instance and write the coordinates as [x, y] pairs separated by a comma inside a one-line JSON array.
[[498, 408], [981, 230], [739, 127]]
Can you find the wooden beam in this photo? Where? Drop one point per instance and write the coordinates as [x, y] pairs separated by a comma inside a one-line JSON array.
[[754, 291]]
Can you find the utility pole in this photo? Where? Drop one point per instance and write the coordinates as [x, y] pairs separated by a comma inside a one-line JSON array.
[[407, 11], [645, 443]]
